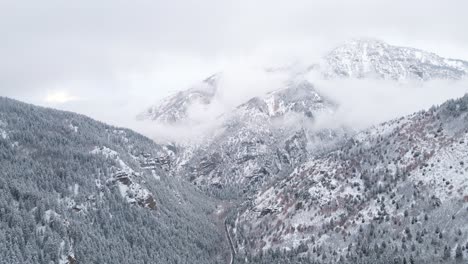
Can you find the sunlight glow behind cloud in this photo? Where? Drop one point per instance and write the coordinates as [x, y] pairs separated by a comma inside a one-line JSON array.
[[60, 97]]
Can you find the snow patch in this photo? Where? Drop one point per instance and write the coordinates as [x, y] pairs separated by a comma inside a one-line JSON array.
[[3, 133], [107, 152], [76, 188], [73, 128], [155, 175]]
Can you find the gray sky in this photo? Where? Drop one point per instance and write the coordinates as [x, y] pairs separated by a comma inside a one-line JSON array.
[[111, 58]]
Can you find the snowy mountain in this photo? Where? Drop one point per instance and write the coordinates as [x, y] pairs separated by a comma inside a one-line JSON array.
[[176, 108], [299, 96], [270, 134], [74, 190], [398, 191], [260, 140], [361, 58], [373, 58]]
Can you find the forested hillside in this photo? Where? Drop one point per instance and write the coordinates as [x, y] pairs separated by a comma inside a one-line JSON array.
[[74, 190]]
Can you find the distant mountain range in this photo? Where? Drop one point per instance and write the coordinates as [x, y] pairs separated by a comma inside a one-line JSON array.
[[269, 135], [363, 58]]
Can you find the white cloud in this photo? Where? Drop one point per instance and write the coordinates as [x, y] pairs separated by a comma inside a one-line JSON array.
[[362, 103]]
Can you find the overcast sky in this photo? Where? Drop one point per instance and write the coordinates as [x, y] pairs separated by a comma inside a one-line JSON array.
[[110, 58]]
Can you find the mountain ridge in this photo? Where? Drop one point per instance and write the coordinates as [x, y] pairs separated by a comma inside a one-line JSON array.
[[361, 58]]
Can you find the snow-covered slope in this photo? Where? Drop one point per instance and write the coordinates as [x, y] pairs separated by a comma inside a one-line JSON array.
[[259, 140], [299, 96], [399, 190], [176, 108], [361, 58], [385, 193], [74, 190], [251, 141], [373, 58]]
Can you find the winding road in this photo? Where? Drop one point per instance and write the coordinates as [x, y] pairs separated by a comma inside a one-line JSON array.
[[231, 245]]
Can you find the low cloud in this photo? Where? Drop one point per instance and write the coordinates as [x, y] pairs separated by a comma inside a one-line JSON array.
[[236, 85], [363, 103]]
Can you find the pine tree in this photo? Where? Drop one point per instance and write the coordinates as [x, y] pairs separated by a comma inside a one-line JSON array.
[[458, 253], [447, 253]]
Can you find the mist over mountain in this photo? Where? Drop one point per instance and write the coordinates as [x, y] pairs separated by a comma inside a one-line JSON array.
[[339, 164], [360, 63]]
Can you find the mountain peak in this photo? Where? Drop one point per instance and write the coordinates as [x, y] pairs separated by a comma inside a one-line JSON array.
[[298, 96], [366, 41], [176, 108], [355, 58], [367, 57]]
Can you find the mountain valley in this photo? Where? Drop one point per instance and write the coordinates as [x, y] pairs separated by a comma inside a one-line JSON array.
[[265, 184]]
